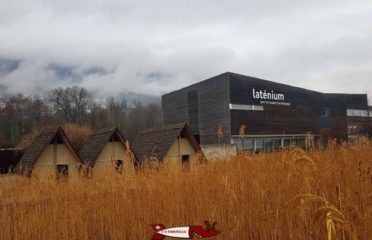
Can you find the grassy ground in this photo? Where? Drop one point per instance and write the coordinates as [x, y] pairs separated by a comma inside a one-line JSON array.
[[291, 194]]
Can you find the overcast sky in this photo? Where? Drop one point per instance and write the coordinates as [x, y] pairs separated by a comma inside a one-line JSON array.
[[154, 47]]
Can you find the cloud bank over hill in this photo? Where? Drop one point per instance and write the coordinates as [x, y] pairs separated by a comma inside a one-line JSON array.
[[152, 47]]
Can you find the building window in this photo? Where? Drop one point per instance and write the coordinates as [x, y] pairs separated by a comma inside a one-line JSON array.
[[185, 162], [286, 142], [268, 144], [62, 171], [119, 166], [246, 107], [185, 159], [238, 142], [248, 144], [300, 143], [259, 142], [352, 130], [325, 111], [356, 113], [277, 143]]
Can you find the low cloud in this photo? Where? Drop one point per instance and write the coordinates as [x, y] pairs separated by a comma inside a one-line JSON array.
[[139, 46]]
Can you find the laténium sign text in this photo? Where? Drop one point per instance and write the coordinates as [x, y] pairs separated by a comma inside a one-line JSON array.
[[270, 97]]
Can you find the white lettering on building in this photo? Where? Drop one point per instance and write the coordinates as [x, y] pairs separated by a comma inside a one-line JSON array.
[[268, 95]]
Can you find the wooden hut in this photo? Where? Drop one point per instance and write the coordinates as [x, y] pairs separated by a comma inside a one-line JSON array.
[[50, 154], [107, 151], [173, 142]]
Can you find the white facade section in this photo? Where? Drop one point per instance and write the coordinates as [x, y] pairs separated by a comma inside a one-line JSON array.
[[246, 107], [357, 113]]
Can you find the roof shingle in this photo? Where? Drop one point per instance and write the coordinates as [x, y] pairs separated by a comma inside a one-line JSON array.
[[95, 143], [157, 142], [38, 145]]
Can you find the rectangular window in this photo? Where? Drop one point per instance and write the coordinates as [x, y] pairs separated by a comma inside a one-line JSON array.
[[119, 166], [277, 143], [259, 144], [325, 111], [268, 144], [246, 107], [62, 171], [356, 113], [300, 143], [237, 142], [352, 130], [185, 162], [248, 144], [185, 159], [325, 117], [286, 142]]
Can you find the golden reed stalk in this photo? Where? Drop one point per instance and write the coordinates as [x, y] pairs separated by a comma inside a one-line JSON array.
[[290, 194]]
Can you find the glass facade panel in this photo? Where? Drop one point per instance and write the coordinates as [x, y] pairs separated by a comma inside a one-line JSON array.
[[352, 129], [277, 143], [356, 113], [259, 144], [325, 111], [300, 143], [248, 144], [257, 107], [246, 107], [237, 142], [268, 144]]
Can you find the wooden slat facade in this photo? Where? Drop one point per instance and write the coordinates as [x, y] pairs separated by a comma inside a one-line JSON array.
[[213, 110], [309, 111]]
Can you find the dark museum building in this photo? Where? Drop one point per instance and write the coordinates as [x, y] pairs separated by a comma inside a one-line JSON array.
[[261, 114]]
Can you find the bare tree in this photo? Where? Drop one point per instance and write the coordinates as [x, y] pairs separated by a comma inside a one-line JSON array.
[[97, 116], [70, 104], [116, 112], [142, 118], [20, 115]]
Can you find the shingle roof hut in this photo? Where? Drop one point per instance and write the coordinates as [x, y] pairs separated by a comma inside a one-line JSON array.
[[107, 149], [172, 141], [50, 150]]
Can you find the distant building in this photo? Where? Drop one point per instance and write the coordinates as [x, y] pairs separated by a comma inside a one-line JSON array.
[[258, 114], [50, 155], [170, 143], [107, 151]]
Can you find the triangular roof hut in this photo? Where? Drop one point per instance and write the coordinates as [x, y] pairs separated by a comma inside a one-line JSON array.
[[106, 146], [158, 143], [52, 147]]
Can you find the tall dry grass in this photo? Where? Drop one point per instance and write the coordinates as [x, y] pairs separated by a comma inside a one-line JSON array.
[[292, 194]]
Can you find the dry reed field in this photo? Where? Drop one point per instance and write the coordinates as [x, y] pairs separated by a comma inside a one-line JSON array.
[[292, 194]]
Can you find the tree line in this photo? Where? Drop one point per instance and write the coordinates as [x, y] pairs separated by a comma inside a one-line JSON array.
[[20, 115]]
